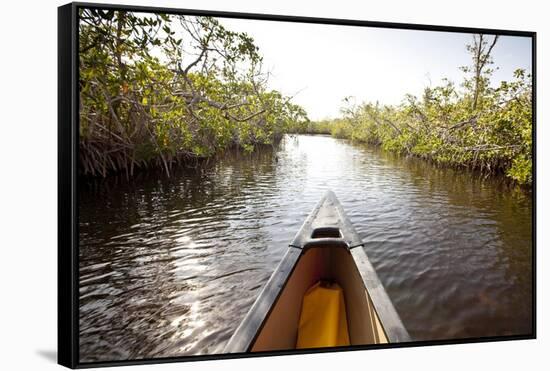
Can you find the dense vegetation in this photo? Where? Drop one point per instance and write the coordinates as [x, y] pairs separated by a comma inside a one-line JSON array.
[[157, 89], [473, 125]]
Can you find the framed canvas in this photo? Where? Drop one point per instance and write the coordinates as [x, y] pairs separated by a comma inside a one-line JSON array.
[[240, 185]]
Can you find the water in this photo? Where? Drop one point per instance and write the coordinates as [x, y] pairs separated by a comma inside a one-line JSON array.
[[170, 266]]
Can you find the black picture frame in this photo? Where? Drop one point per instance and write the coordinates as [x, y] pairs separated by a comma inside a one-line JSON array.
[[68, 124]]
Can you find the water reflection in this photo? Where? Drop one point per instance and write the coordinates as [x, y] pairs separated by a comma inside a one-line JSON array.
[[169, 266]]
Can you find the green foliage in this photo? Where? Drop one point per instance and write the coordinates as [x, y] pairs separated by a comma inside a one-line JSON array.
[[158, 89], [445, 126]]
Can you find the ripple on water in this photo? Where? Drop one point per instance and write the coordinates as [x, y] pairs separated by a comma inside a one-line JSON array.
[[171, 265]]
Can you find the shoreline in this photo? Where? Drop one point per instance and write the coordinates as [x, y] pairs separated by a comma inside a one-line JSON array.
[[475, 170]]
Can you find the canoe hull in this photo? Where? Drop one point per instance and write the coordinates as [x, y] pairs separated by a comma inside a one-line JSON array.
[[325, 248]]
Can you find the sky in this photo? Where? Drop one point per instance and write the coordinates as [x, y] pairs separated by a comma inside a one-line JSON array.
[[322, 64]]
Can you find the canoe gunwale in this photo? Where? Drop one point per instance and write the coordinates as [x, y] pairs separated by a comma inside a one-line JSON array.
[[249, 329], [389, 318], [327, 215]]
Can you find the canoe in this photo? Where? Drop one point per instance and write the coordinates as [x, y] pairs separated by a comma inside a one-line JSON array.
[[325, 249]]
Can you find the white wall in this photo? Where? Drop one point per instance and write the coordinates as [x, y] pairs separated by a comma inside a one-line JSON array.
[[28, 183]]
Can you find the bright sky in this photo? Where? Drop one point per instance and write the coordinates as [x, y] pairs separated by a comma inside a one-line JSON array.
[[325, 63]]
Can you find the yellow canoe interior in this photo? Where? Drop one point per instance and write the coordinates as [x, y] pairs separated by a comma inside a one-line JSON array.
[[334, 264]]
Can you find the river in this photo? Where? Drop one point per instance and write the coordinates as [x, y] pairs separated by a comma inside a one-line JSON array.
[[170, 266]]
